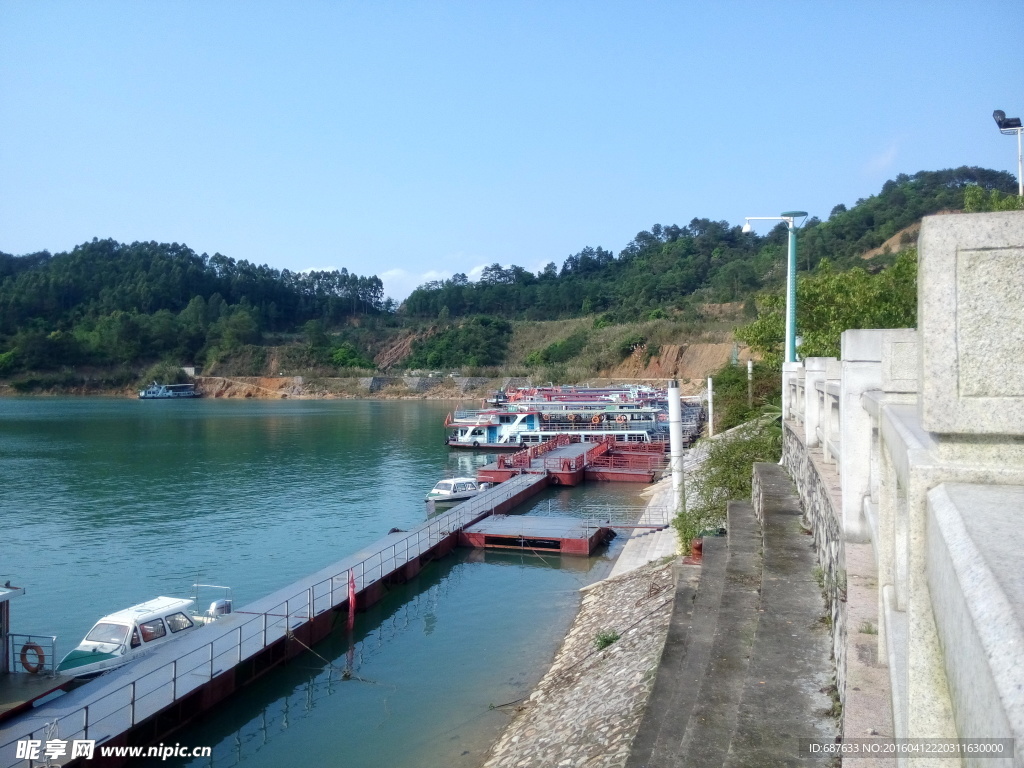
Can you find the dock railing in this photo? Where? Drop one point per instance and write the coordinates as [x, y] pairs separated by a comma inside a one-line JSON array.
[[523, 459], [121, 709]]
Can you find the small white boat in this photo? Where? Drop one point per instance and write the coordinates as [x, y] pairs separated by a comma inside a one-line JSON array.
[[455, 489], [168, 391], [122, 637]]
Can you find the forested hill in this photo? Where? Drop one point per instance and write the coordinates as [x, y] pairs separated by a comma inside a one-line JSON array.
[[705, 261], [105, 276], [110, 304], [106, 302]]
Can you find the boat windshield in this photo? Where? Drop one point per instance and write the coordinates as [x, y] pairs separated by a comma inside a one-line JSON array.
[[108, 633], [443, 486]]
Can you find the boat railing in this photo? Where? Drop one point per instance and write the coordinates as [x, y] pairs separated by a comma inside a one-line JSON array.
[[597, 426], [146, 695], [35, 654], [654, 447], [470, 418]]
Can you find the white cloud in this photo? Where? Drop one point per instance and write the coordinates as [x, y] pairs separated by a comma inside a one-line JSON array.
[[399, 283]]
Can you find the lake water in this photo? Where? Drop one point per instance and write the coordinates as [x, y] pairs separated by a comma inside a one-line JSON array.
[[106, 503]]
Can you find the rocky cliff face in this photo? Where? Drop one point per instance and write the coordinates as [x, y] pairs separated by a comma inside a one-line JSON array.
[[690, 363], [263, 387]]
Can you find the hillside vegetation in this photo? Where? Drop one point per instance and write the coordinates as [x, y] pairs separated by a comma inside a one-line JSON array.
[[114, 312]]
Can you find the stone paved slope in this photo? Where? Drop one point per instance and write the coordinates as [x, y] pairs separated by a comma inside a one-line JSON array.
[[586, 710]]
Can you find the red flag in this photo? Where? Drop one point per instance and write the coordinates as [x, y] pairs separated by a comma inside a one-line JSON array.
[[351, 600]]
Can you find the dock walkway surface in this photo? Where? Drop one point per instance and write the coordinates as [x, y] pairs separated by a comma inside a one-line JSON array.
[[566, 460], [178, 680]]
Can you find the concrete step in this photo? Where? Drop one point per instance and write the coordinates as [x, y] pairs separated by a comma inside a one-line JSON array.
[[746, 667], [711, 725], [692, 709], [784, 696], [684, 658]]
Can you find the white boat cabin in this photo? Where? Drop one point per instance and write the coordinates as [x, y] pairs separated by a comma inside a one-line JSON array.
[[123, 636], [456, 489]]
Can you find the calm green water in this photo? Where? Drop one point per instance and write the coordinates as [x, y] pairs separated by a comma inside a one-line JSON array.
[[107, 503]]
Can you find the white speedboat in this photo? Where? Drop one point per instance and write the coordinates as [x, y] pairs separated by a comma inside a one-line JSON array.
[[122, 637], [455, 489]]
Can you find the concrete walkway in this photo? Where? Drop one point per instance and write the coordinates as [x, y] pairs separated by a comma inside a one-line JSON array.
[[646, 545], [721, 664]]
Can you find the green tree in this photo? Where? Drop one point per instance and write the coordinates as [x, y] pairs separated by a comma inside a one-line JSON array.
[[345, 355], [978, 200], [235, 330], [830, 302]]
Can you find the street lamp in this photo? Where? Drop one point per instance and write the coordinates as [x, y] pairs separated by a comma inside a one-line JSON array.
[[790, 218], [1009, 126]]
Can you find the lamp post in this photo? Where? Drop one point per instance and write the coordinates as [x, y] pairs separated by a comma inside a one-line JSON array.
[[790, 218], [1009, 126]]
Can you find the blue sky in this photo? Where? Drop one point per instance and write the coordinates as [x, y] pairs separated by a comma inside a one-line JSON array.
[[413, 140]]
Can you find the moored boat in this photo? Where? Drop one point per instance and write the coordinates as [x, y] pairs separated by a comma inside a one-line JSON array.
[[169, 391], [534, 415], [452, 490], [126, 635]]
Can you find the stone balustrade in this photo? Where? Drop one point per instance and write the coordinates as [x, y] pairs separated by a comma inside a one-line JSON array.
[[911, 447]]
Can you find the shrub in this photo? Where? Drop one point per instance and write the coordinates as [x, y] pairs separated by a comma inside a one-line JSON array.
[[726, 474], [629, 344], [479, 341], [164, 372]]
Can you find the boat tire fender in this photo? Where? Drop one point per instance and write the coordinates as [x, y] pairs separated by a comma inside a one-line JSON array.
[[476, 443], [40, 662], [556, 480]]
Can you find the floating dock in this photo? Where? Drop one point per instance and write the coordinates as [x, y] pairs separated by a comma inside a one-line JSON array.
[[567, 536], [570, 463]]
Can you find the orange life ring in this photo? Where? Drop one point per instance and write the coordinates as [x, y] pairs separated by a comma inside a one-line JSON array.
[[662, 417], [572, 417], [596, 420], [621, 419], [546, 416], [40, 658]]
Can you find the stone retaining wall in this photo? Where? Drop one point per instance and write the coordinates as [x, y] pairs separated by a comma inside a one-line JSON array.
[[819, 494]]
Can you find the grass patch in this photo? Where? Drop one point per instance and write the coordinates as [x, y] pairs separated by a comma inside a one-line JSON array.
[[605, 638]]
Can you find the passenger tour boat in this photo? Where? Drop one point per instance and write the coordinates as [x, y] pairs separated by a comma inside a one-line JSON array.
[[169, 391]]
